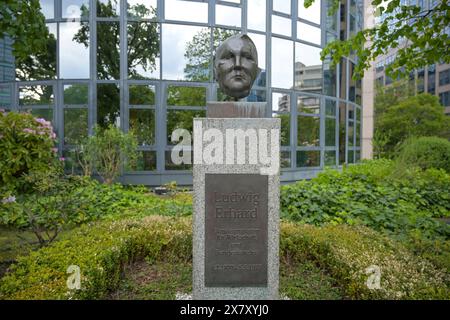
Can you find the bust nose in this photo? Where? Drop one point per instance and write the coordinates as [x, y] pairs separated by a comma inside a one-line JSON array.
[[237, 62]]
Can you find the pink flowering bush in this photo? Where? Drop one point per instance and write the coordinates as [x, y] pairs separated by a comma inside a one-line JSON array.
[[26, 144]]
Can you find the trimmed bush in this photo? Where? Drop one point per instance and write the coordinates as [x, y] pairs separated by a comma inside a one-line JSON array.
[[102, 250], [425, 153]]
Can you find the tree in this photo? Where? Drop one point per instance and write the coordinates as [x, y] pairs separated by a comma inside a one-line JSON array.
[[417, 33], [416, 116]]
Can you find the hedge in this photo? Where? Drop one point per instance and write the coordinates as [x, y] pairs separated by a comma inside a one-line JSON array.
[[102, 250]]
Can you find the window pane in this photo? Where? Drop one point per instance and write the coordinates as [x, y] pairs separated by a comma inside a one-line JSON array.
[[76, 94], [142, 124], [342, 120], [47, 8], [143, 60], [5, 96], [330, 158], [43, 65], [351, 132], [47, 114], [186, 11], [329, 78], [74, 50], [228, 16], [35, 95], [257, 96], [75, 125], [282, 57], [260, 43], [146, 161], [285, 159], [181, 119], [308, 33], [108, 62], [169, 165], [342, 79], [75, 9], [281, 102], [141, 94], [331, 20], [330, 132], [357, 155], [350, 157], [141, 9], [186, 96], [308, 131], [310, 105], [282, 6], [308, 68], [281, 25], [108, 8], [108, 104], [187, 52], [312, 13], [330, 108], [308, 158], [358, 134], [285, 127], [256, 15]]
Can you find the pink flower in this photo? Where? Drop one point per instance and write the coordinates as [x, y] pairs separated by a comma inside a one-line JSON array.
[[55, 150], [28, 130], [53, 135], [2, 110], [41, 133], [62, 159], [9, 199]]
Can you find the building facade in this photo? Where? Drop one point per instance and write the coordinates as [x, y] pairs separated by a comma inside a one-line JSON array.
[[146, 66]]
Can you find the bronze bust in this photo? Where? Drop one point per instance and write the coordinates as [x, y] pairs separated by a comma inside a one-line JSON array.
[[236, 66]]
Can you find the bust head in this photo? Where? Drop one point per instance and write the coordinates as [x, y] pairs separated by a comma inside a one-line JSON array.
[[236, 65]]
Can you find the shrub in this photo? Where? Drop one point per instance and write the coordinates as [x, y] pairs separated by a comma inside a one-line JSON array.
[[26, 144], [108, 150], [426, 153], [102, 250]]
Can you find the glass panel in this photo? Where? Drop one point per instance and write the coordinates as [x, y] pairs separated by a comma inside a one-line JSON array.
[[351, 132], [351, 83], [351, 111], [186, 96], [330, 132], [343, 21], [282, 57], [281, 102], [5, 96], [70, 161], [76, 94], [358, 134], [186, 11], [308, 131], [75, 125], [181, 119], [312, 13], [35, 95], [330, 108], [142, 124], [285, 159], [256, 15], [282, 6], [228, 16], [108, 104], [308, 68], [310, 105], [75, 9], [141, 9], [141, 94], [74, 50], [330, 158], [330, 19], [285, 127], [43, 65], [169, 165], [281, 25], [342, 79], [47, 114], [329, 78], [108, 62], [257, 96], [308, 159], [260, 43], [143, 60], [47, 8], [350, 157], [108, 8], [309, 33], [357, 155], [186, 51], [342, 121], [146, 161]]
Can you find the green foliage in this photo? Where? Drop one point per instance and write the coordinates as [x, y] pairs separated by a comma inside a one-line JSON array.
[[102, 251], [425, 153], [369, 194], [107, 151], [402, 24], [26, 144], [420, 115], [347, 253]]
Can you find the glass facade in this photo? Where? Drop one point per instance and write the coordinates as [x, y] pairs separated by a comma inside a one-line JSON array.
[[146, 66]]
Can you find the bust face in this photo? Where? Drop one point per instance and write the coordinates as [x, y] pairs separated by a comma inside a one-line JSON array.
[[236, 66]]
